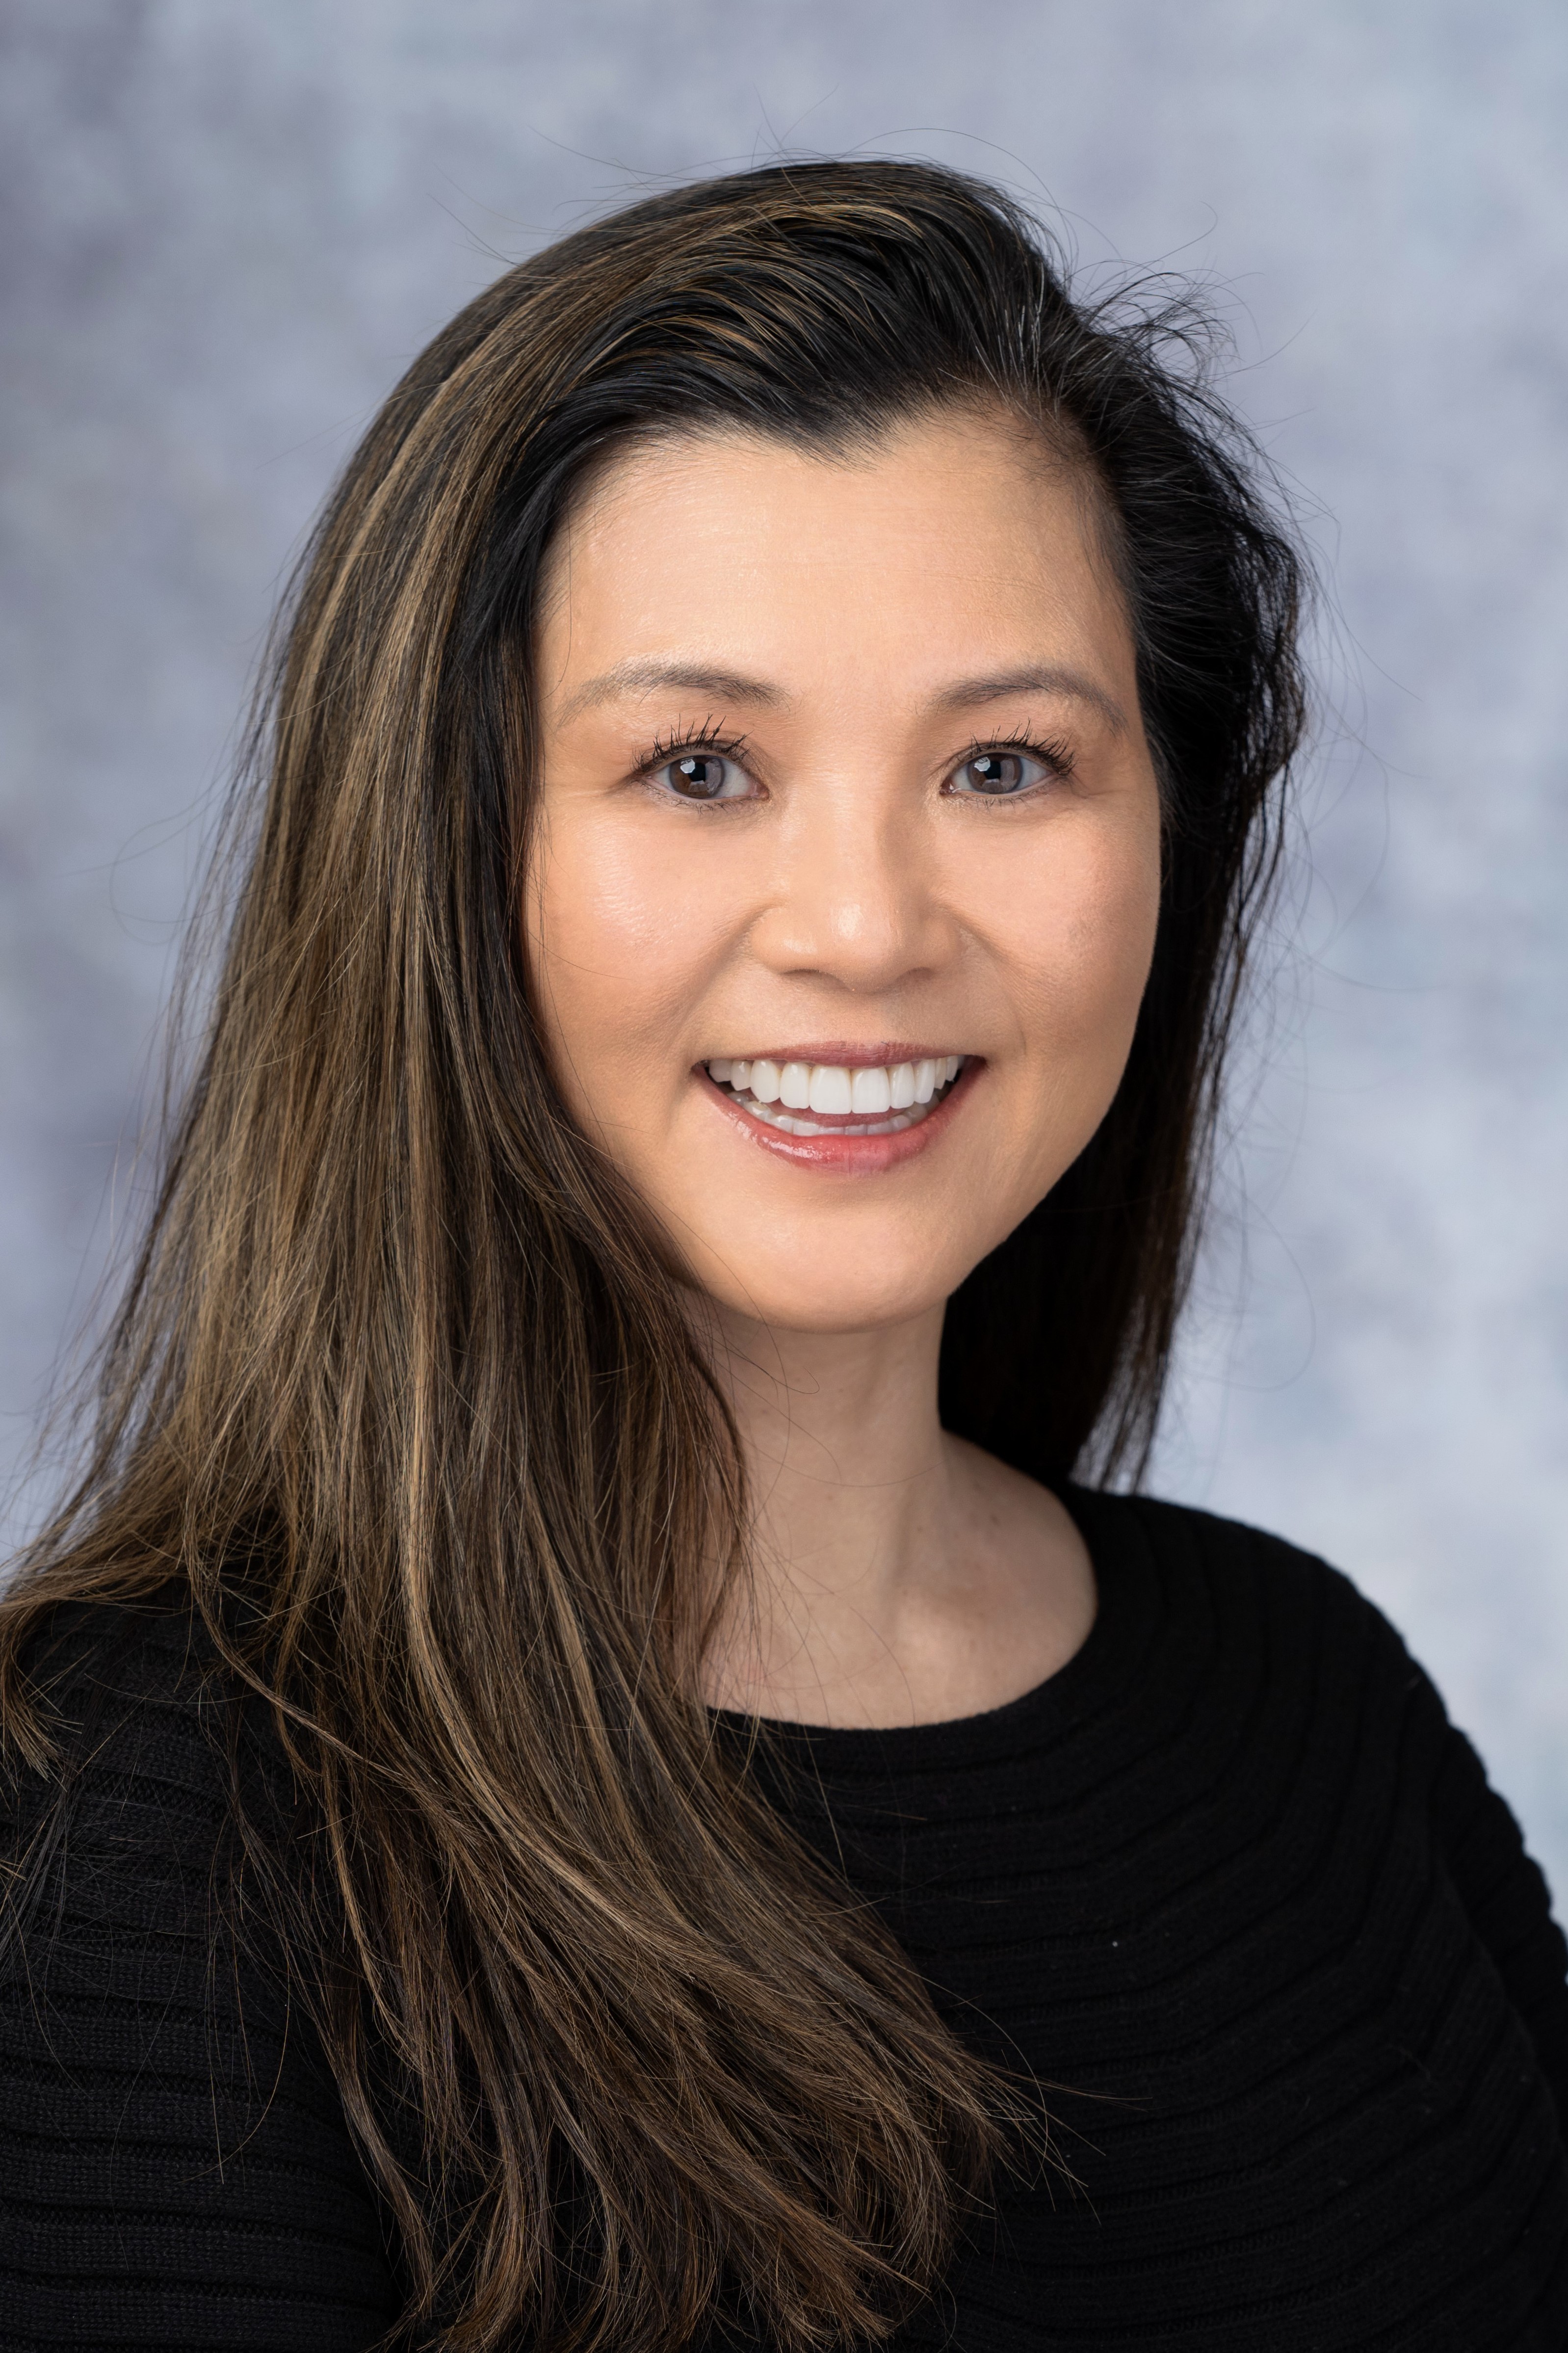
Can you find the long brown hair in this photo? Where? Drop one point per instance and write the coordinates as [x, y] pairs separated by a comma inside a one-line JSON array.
[[403, 1396]]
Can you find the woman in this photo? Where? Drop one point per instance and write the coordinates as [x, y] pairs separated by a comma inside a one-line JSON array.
[[582, 1774]]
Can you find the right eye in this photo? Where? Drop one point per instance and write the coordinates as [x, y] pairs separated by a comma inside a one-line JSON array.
[[704, 776]]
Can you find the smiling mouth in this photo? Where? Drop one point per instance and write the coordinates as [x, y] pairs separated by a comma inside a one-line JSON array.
[[829, 1099]]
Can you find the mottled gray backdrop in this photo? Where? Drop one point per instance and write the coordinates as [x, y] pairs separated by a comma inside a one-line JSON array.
[[226, 228]]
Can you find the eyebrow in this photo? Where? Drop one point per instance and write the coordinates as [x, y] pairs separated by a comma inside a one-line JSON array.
[[734, 686], [696, 677], [1046, 677]]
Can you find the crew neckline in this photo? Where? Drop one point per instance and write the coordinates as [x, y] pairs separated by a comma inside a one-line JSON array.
[[1122, 1562]]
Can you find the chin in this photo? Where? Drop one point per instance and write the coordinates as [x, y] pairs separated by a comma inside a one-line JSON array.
[[822, 1304]]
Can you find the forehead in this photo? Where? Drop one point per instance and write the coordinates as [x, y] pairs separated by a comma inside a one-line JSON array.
[[959, 536]]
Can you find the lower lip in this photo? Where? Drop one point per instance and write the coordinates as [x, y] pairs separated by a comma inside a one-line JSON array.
[[847, 1156]]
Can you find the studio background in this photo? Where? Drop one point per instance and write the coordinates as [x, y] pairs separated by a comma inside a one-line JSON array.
[[228, 229]]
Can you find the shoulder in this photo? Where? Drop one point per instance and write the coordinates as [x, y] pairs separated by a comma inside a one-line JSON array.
[[1341, 1729], [174, 2159], [92, 1656], [137, 1702], [1238, 1575], [1238, 1563], [123, 1857], [1256, 1642], [1257, 1631]]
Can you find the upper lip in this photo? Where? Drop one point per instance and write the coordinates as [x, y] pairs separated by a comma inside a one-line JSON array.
[[839, 1054]]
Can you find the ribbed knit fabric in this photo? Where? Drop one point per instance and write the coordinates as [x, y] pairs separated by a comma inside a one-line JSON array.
[[1230, 1882], [1233, 1879]]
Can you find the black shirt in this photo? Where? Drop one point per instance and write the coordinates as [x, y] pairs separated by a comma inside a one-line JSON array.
[[1229, 1883]]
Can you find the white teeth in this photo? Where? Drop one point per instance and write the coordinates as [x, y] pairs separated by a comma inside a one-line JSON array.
[[830, 1090], [798, 1124], [905, 1091]]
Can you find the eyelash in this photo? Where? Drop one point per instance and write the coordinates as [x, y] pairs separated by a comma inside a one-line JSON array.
[[1056, 757], [711, 737]]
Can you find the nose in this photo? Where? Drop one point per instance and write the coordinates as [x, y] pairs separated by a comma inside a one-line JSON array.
[[856, 896]]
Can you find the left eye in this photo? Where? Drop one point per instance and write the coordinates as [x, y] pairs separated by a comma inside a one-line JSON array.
[[705, 777], [997, 774]]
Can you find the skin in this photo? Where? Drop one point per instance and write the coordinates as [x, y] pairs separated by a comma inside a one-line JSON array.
[[853, 629]]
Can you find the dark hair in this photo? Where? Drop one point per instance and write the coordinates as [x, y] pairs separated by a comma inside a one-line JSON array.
[[402, 1396]]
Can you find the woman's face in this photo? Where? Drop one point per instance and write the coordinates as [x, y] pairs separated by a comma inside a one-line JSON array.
[[845, 790]]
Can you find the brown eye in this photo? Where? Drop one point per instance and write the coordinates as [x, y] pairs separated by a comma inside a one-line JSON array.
[[996, 774], [705, 777]]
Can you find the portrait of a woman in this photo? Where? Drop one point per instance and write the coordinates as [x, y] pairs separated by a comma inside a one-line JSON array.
[[608, 1752]]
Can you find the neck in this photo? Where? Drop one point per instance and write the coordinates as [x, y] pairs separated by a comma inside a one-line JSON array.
[[897, 1574]]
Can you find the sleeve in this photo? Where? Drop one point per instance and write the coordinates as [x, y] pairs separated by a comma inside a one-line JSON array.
[[175, 2170], [1505, 1897]]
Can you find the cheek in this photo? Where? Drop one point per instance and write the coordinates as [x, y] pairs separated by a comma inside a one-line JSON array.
[[620, 938], [1085, 954]]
